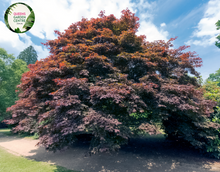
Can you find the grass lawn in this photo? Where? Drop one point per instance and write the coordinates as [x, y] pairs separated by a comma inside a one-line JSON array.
[[13, 163], [8, 133], [5, 131]]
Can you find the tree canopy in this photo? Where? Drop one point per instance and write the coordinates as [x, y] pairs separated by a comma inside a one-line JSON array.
[[10, 75], [212, 91], [103, 79], [217, 43], [29, 55], [214, 77]]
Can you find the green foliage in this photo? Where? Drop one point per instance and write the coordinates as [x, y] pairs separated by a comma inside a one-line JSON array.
[[217, 43], [5, 131], [17, 30], [6, 59], [10, 75], [212, 91], [30, 21], [199, 80], [214, 144], [215, 116], [139, 115], [214, 77], [29, 55], [9, 12], [8, 132]]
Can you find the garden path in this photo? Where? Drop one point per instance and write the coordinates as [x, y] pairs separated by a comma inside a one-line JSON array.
[[153, 154]]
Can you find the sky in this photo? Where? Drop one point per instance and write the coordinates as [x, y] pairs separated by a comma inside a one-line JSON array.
[[193, 22]]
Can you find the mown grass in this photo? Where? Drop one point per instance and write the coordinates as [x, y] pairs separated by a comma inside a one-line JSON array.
[[13, 163], [7, 132]]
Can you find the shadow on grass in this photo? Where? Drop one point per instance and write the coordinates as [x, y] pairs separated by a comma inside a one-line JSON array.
[[8, 132], [10, 162], [153, 154], [63, 169]]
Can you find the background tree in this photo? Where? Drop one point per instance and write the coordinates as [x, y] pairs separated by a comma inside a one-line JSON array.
[[10, 75], [217, 43], [212, 92], [103, 79], [29, 55], [214, 77]]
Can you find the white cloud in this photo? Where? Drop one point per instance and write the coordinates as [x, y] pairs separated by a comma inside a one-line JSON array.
[[145, 9], [162, 24], [152, 32], [14, 43], [147, 27], [53, 15], [206, 32], [10, 40], [41, 52]]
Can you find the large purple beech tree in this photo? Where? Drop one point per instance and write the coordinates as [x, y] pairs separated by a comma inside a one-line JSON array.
[[103, 79]]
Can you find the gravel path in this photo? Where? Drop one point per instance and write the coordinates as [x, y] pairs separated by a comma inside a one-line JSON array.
[[141, 155]]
